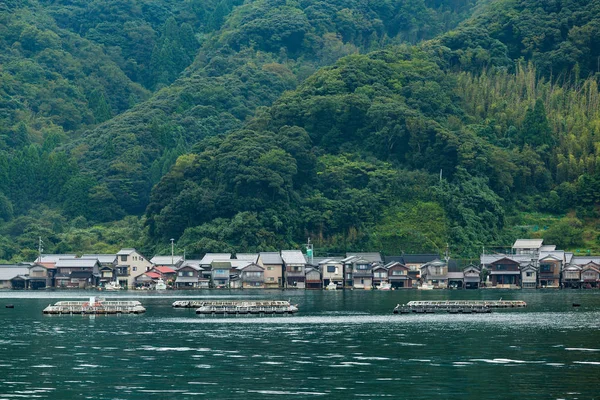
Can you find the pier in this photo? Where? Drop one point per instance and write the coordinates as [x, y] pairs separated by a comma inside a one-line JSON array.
[[457, 306], [95, 307]]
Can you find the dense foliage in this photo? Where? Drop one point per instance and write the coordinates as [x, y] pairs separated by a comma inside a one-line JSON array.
[[241, 126]]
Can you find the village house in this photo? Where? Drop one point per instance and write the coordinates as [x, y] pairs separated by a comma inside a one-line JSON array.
[[529, 276], [380, 275], [472, 276], [294, 268], [456, 279], [77, 273], [571, 276], [252, 276], [435, 274], [131, 263], [313, 278], [273, 269], [397, 275], [220, 274], [505, 273], [14, 276], [550, 267], [189, 276], [590, 275], [359, 272], [332, 270]]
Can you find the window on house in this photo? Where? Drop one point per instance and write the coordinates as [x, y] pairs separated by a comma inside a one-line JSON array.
[[362, 266], [332, 269], [269, 268], [398, 272], [123, 258], [180, 273], [135, 268], [546, 268], [271, 279], [529, 274]]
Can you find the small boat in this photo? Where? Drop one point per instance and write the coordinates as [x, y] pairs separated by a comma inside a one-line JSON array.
[[332, 286], [112, 285], [425, 286], [384, 286], [160, 285]]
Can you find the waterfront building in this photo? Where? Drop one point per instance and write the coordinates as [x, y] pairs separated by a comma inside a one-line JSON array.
[[77, 273], [206, 261], [550, 268], [529, 276], [413, 262], [397, 275], [590, 275], [332, 270], [294, 265], [505, 273], [359, 272], [252, 276], [273, 269], [313, 278], [472, 278], [220, 273], [435, 274], [456, 280], [14, 276], [571, 276], [531, 247], [131, 263], [189, 276], [380, 275]]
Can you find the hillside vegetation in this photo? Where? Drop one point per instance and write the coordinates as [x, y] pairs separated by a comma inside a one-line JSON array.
[[230, 126]]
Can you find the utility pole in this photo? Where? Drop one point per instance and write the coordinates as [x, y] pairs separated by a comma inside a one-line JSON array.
[[172, 251], [40, 249]]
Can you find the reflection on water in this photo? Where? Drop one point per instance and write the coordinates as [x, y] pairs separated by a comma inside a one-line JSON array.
[[338, 345]]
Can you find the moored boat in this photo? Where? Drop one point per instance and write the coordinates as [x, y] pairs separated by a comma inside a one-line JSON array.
[[96, 306], [247, 307]]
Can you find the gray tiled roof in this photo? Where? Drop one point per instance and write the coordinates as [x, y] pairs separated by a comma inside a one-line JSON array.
[[166, 260], [103, 258], [210, 257], [52, 258], [252, 257], [372, 257], [271, 258], [9, 271], [76, 262], [293, 257]]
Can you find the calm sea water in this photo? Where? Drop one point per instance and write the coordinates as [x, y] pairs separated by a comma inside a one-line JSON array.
[[340, 345]]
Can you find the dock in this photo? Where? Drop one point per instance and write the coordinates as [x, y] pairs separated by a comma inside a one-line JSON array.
[[457, 306], [96, 306], [243, 307]]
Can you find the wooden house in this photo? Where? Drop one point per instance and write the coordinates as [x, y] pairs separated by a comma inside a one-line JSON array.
[[590, 275], [472, 277], [220, 274], [456, 280], [435, 273], [359, 272], [273, 269], [332, 270], [41, 276], [505, 273], [252, 276], [549, 272], [398, 276], [188, 277], [380, 275], [529, 276], [294, 265], [571, 276], [313, 278]]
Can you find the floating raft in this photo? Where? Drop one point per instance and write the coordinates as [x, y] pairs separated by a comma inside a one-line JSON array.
[[246, 307], [457, 306], [95, 306]]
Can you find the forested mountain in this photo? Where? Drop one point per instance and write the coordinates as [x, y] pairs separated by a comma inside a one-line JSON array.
[[241, 126]]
